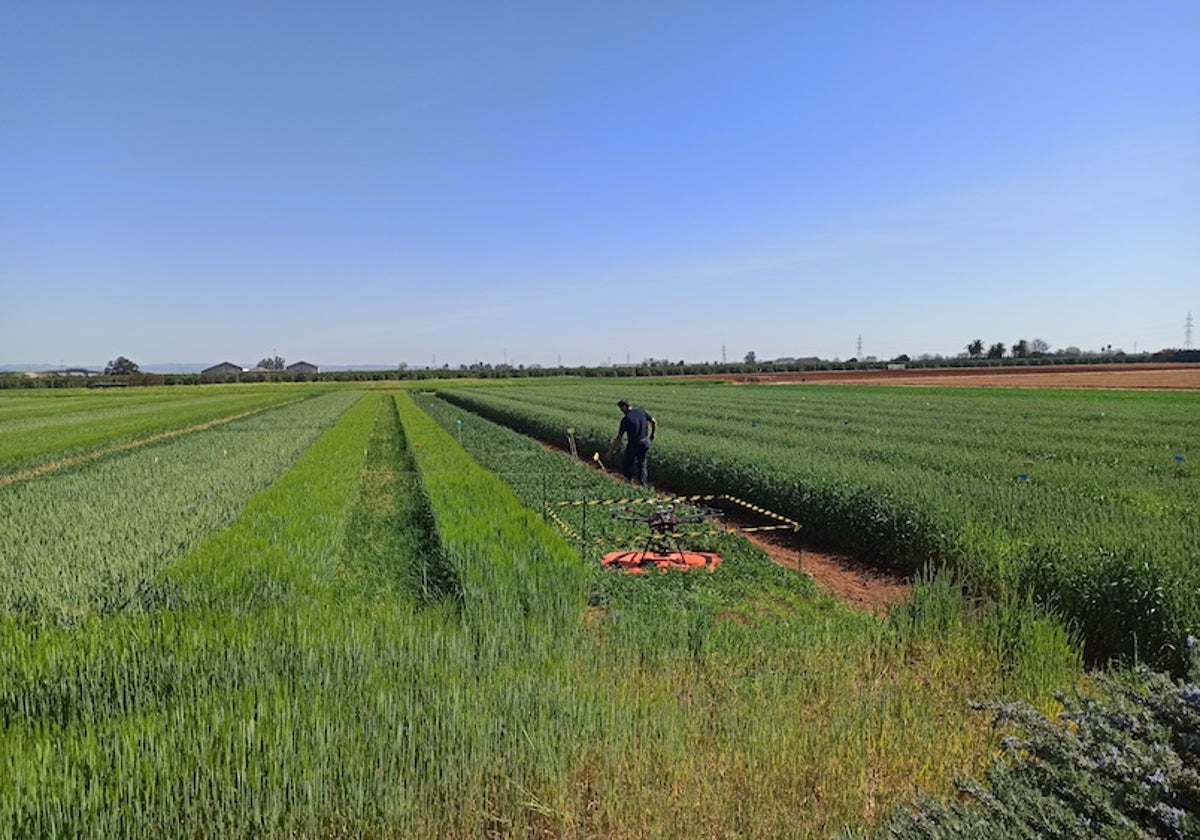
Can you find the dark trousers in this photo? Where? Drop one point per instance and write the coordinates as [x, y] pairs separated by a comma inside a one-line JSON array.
[[637, 461]]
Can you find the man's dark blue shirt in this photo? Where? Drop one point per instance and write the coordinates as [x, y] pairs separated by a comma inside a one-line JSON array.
[[636, 423]]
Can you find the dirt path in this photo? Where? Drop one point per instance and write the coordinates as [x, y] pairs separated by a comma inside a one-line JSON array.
[[850, 579]]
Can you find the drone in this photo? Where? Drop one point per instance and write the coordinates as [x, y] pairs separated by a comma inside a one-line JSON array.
[[661, 549]]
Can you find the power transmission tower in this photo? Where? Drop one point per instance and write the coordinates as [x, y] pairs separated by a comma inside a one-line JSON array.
[[1187, 332], [859, 354]]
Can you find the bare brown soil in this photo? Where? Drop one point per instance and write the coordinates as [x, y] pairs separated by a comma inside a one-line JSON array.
[[851, 579], [1163, 376]]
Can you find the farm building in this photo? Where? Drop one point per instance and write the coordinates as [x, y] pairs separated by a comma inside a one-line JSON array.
[[223, 369], [302, 367]]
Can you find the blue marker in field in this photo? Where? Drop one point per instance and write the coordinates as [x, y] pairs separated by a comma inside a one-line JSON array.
[[1023, 477], [1178, 459]]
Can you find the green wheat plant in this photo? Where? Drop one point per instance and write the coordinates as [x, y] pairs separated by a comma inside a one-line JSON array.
[[90, 539], [36, 431], [1084, 500]]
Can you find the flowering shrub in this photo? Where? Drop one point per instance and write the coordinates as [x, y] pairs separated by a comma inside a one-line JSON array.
[[1125, 764]]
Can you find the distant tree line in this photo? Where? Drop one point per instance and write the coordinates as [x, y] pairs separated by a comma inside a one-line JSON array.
[[121, 366], [1021, 349], [1026, 353]]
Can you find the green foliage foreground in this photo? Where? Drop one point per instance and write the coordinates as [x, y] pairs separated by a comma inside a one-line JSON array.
[[1086, 500], [752, 704], [1120, 761], [308, 671]]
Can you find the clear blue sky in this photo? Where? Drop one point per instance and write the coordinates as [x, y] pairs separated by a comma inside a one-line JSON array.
[[377, 182]]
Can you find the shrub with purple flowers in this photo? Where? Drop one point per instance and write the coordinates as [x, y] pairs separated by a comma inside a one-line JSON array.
[[1122, 764]]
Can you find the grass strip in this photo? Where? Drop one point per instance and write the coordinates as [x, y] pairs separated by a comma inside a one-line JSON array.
[[90, 539]]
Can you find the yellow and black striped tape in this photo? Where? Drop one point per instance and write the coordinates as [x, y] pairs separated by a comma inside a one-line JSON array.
[[647, 501], [770, 514], [570, 532], [790, 523]]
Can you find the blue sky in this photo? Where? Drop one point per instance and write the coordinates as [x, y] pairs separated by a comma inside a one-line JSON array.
[[450, 182]]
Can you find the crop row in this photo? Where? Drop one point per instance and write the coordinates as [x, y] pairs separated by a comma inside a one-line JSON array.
[[292, 675], [517, 576], [278, 681], [89, 539], [1086, 500], [35, 431], [748, 674], [155, 721]]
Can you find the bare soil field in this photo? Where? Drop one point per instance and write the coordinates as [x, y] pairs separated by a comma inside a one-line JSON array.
[[1164, 376]]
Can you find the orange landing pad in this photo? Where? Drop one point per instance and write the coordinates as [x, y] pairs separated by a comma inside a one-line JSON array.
[[640, 562]]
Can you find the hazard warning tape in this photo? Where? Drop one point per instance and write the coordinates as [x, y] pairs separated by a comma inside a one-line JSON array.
[[770, 514], [570, 532], [646, 501], [785, 522]]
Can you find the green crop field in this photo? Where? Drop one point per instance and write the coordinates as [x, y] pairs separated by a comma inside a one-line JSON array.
[[316, 611], [1086, 500], [41, 429]]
